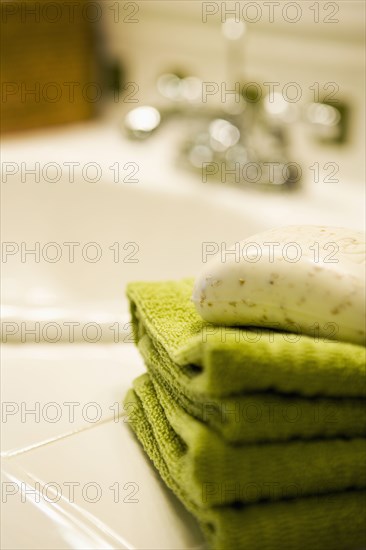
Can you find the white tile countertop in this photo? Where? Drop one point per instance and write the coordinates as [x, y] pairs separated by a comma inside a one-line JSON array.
[[73, 474]]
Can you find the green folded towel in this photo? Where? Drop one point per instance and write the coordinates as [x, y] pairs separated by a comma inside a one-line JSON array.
[[222, 360], [215, 473], [261, 436], [333, 521], [254, 417], [267, 389]]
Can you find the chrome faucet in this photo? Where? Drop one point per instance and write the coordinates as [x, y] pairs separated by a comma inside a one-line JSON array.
[[243, 141]]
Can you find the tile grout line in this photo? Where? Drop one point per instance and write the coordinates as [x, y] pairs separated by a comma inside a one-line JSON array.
[[16, 452]]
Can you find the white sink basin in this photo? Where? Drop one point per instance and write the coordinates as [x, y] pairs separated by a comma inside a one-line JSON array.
[[91, 239], [151, 229]]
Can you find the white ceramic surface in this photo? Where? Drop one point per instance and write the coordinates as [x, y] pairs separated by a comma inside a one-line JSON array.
[[156, 235], [51, 391], [158, 224], [104, 490]]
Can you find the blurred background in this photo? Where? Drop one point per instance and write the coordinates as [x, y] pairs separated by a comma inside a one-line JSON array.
[[289, 75], [135, 136]]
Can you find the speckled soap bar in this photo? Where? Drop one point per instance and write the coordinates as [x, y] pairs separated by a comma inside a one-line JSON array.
[[303, 279]]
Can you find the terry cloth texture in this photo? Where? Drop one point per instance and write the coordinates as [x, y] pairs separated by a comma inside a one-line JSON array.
[[260, 434]]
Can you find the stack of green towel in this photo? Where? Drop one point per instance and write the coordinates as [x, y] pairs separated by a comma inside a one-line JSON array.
[[261, 434]]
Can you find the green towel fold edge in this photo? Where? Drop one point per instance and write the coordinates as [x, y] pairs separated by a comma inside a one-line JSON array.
[[225, 362]]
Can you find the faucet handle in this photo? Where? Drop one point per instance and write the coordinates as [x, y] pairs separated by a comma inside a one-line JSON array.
[[329, 121]]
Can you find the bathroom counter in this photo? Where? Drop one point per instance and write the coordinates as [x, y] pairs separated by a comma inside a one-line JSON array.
[[95, 486]]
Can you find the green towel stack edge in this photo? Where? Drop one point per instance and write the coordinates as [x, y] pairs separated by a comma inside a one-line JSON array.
[[260, 434]]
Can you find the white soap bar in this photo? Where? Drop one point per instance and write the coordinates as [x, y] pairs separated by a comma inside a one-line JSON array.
[[302, 279]]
